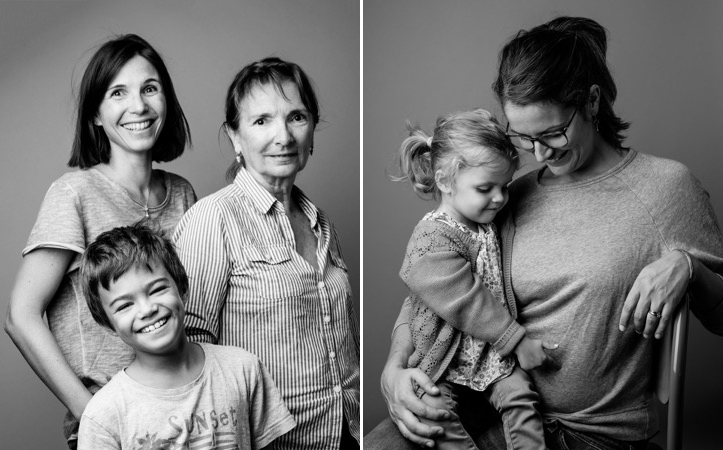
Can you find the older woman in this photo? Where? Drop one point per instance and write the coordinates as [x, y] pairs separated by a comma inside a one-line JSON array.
[[264, 263], [599, 247]]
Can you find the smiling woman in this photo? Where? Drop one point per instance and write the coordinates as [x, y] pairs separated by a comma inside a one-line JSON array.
[[128, 117], [133, 109]]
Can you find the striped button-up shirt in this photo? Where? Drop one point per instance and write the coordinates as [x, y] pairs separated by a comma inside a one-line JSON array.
[[249, 287]]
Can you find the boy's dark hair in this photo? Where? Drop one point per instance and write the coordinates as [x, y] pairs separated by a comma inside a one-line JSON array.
[[115, 252], [91, 145]]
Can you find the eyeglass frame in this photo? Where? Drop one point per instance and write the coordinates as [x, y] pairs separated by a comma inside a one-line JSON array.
[[539, 139]]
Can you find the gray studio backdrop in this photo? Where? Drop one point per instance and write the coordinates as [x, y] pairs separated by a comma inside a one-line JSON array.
[[426, 58], [43, 49]]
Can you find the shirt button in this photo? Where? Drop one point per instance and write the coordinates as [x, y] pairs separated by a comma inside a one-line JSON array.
[[332, 355], [337, 388], [327, 319], [321, 285]]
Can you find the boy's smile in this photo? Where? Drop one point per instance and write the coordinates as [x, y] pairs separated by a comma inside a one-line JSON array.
[[145, 309], [154, 326]]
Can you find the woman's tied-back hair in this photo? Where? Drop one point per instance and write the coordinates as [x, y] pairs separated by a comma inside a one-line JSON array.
[[91, 145], [558, 62], [460, 140], [274, 71], [119, 250]]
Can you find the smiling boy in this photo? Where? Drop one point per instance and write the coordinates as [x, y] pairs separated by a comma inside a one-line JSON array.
[[175, 394]]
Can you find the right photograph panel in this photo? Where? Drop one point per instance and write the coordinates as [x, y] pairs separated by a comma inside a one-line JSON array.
[[543, 257]]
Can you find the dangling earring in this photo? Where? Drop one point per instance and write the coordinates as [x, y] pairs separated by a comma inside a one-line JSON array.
[[311, 149], [238, 157], [596, 122]]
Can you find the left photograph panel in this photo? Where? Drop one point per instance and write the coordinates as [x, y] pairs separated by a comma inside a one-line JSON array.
[[181, 244]]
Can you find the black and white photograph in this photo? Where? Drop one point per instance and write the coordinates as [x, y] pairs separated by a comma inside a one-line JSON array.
[[614, 205], [361, 224], [181, 243]]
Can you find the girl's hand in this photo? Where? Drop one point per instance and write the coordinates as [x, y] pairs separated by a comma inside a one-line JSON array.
[[404, 406], [531, 353], [655, 294]]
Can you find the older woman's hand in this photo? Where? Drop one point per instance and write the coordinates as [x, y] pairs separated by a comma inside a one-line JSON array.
[[405, 407], [656, 293]]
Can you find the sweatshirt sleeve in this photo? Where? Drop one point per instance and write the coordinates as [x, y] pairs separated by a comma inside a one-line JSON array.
[[438, 273], [687, 221]]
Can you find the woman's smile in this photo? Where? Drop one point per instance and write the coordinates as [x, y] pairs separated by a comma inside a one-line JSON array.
[[138, 126], [560, 157]]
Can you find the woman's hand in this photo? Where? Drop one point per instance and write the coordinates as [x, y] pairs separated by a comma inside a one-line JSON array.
[[655, 294], [531, 353], [397, 381], [405, 407]]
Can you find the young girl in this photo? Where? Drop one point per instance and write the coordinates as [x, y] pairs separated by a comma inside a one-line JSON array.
[[128, 117], [463, 329]]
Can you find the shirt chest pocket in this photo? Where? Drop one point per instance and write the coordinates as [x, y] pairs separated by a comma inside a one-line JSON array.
[[271, 272]]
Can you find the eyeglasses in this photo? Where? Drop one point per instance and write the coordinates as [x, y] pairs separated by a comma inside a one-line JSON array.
[[556, 139]]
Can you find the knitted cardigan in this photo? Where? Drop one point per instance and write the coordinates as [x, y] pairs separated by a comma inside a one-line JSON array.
[[447, 298]]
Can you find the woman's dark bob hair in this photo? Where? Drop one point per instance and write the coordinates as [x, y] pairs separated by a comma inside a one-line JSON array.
[[274, 71], [91, 145]]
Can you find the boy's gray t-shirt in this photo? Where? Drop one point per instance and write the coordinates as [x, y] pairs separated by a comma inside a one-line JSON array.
[[77, 208], [233, 404]]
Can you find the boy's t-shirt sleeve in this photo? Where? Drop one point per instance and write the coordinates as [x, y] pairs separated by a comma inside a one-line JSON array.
[[269, 416], [93, 436]]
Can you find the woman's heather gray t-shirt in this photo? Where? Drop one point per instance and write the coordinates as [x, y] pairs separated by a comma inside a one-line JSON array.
[[77, 208], [573, 258]]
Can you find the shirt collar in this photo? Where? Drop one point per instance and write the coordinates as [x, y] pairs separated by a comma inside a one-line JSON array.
[[265, 202]]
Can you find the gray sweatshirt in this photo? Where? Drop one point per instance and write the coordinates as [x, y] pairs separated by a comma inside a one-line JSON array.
[[570, 256]]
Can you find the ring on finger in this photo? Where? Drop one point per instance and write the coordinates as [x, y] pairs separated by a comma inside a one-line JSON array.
[[654, 314]]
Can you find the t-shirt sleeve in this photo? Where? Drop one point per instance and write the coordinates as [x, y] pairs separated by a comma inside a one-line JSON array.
[[270, 418], [59, 223], [199, 240], [93, 436]]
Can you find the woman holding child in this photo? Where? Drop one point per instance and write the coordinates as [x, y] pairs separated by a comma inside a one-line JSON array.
[[601, 241], [265, 268], [128, 117]]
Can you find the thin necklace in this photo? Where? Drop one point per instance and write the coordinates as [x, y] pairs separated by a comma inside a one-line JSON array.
[[144, 206]]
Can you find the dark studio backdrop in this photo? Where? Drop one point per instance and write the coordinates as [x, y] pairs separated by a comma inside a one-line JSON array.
[[427, 58], [43, 50]]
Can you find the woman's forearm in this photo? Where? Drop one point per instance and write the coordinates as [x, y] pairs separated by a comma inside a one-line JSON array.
[[706, 296], [25, 324], [706, 286], [40, 349], [402, 347]]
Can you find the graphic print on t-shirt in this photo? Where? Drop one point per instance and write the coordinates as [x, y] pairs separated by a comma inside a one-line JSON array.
[[197, 432]]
